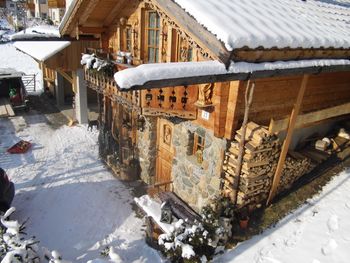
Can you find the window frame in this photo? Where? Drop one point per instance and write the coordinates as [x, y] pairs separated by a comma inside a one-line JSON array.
[[198, 144], [157, 28]]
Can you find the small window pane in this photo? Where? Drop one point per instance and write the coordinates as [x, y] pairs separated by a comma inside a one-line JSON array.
[[157, 37], [156, 50], [189, 54], [152, 20], [151, 55]]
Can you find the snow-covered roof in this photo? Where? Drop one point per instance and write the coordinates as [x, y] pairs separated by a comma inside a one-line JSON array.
[[139, 76], [41, 50], [43, 31], [274, 23], [10, 73]]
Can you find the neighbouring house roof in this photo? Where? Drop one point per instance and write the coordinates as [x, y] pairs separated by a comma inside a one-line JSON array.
[[6, 73], [274, 23], [41, 50], [37, 32], [187, 73]]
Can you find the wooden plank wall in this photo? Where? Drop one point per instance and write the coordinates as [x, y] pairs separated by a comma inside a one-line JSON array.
[[69, 58], [274, 97]]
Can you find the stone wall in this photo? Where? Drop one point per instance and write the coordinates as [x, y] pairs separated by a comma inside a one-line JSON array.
[[196, 183], [146, 144]]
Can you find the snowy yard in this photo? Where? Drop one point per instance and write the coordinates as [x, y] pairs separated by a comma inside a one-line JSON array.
[[73, 203], [76, 206]]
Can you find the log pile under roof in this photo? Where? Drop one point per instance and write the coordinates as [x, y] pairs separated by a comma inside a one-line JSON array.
[[261, 153]]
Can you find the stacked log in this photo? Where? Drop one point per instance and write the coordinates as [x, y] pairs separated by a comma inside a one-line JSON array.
[[296, 165], [261, 154], [258, 165]]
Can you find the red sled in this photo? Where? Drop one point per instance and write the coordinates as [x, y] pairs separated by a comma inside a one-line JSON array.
[[20, 147]]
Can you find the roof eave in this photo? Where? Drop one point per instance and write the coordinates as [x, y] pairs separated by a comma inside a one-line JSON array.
[[186, 81]]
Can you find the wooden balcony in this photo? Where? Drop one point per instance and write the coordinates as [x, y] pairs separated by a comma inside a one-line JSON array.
[[57, 3], [106, 85], [168, 102]]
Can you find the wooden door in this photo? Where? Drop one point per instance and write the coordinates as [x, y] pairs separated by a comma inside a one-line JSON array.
[[165, 151]]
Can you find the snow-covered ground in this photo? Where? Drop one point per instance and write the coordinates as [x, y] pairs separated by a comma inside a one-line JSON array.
[[76, 206], [73, 203], [318, 232], [10, 57]]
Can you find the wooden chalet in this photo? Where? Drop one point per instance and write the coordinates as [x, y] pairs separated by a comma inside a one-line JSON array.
[[213, 116]]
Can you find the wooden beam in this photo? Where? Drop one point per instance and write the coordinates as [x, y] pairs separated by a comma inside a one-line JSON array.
[[286, 143], [234, 100], [114, 12], [310, 118], [221, 91], [65, 75], [91, 30], [87, 11]]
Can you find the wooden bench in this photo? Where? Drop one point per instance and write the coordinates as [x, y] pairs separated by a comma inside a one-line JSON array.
[[6, 109]]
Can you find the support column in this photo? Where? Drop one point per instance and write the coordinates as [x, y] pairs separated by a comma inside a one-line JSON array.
[[286, 143], [59, 89], [81, 108]]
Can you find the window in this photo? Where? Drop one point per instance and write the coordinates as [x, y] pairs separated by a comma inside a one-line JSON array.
[[153, 34], [184, 51], [126, 44], [198, 144]]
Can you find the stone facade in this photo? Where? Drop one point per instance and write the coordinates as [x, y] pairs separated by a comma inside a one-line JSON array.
[[147, 151], [196, 183]]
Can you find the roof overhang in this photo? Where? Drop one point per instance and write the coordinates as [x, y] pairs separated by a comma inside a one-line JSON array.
[[41, 50], [150, 76]]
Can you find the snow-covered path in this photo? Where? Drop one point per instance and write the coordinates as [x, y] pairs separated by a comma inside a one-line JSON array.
[[73, 203]]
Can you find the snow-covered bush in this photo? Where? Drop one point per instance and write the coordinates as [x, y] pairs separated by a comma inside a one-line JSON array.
[[13, 246], [199, 241], [92, 62]]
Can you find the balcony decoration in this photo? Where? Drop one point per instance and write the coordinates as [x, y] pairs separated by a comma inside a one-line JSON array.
[[205, 94], [92, 62], [184, 99]]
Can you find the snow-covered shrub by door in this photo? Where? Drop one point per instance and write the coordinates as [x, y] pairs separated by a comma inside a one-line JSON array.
[[199, 241]]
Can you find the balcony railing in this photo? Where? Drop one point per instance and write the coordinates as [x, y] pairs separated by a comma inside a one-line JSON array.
[[104, 84], [169, 101]]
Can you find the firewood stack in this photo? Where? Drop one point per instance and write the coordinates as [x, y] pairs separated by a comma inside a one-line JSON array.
[[261, 154], [295, 166]]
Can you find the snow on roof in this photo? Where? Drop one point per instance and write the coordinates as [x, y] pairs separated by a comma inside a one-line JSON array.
[[10, 73], [43, 31], [41, 50], [274, 23], [142, 74]]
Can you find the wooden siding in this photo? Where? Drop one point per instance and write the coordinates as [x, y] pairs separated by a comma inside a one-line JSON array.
[[274, 97], [69, 58]]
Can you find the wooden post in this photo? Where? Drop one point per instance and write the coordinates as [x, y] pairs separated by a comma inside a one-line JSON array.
[[286, 143], [248, 102]]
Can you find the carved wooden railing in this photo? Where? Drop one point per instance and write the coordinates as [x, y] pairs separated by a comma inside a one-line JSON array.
[[104, 84]]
